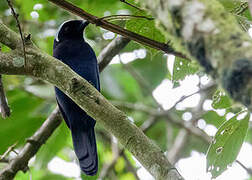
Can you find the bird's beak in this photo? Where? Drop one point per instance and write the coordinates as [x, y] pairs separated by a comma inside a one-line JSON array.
[[84, 23]]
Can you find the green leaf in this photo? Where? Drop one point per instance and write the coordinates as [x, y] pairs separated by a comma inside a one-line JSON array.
[[116, 83], [240, 10], [212, 117], [156, 133], [98, 7], [39, 175], [182, 68], [127, 176], [25, 8], [55, 143], [120, 164], [249, 136], [24, 120], [152, 69], [4, 48], [145, 27], [220, 100], [227, 143]]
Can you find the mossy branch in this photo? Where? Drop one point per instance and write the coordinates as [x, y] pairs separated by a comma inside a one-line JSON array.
[[213, 37]]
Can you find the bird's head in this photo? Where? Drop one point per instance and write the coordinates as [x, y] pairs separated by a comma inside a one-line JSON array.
[[72, 29]]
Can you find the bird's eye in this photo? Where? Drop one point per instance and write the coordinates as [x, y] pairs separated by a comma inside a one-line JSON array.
[[66, 29]]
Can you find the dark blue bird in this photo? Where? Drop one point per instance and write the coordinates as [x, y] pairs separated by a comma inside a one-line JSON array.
[[71, 48]]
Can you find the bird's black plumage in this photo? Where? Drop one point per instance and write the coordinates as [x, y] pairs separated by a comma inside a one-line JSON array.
[[71, 48]]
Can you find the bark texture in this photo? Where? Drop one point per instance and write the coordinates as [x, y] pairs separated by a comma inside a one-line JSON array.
[[211, 35]]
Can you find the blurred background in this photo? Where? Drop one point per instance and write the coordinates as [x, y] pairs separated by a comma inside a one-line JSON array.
[[171, 99]]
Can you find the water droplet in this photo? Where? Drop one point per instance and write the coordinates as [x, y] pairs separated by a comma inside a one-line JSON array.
[[210, 168], [219, 150], [222, 132], [217, 168], [242, 116]]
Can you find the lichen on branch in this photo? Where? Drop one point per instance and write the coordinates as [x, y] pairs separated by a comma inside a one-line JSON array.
[[213, 37]]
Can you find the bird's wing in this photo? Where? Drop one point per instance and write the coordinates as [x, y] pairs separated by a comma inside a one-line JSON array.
[[98, 78], [63, 113]]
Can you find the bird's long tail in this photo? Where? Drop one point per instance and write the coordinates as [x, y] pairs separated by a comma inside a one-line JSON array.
[[85, 148]]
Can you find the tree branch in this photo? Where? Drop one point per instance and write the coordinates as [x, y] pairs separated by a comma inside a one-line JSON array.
[[112, 49], [5, 109], [107, 167], [250, 6], [130, 166], [124, 1], [218, 44], [116, 29], [45, 67], [18, 25], [179, 144], [124, 16], [31, 148]]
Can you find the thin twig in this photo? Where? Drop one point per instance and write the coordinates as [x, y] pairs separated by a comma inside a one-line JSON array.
[[123, 16], [107, 167], [249, 170], [31, 147], [241, 8], [5, 109], [130, 166], [207, 88], [124, 1], [4, 160], [10, 149], [117, 29], [112, 49], [19, 27], [250, 6], [179, 144], [171, 117], [140, 80]]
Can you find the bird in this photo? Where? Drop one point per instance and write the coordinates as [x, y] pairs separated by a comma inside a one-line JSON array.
[[71, 48]]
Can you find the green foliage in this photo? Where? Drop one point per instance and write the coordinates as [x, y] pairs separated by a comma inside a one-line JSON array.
[[57, 141], [152, 69], [120, 165], [182, 68], [220, 100], [240, 10], [24, 120], [157, 133], [40, 175], [145, 27], [212, 117], [227, 143], [119, 84]]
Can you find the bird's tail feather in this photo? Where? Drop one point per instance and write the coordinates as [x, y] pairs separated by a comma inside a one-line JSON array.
[[85, 148]]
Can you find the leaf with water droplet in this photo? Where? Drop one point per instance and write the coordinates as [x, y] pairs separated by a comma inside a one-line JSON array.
[[147, 28], [183, 68], [220, 100], [226, 145], [219, 150]]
